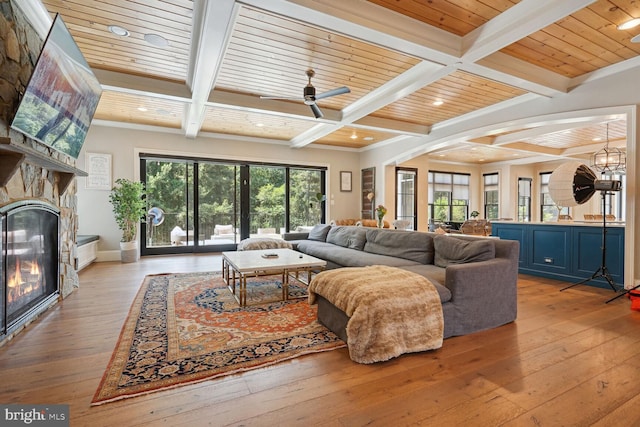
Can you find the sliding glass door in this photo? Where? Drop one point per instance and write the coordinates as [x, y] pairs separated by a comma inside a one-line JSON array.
[[306, 198], [267, 201], [209, 206], [218, 205], [169, 185]]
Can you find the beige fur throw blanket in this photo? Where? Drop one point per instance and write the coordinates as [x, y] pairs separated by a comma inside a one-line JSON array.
[[391, 311]]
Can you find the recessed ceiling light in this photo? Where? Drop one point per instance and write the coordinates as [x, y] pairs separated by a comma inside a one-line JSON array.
[[441, 155], [118, 30], [156, 40], [353, 135], [368, 138], [259, 125], [596, 139], [142, 109], [438, 103], [629, 24]]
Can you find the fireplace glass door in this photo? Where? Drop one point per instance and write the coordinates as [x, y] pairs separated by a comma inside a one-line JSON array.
[[30, 259]]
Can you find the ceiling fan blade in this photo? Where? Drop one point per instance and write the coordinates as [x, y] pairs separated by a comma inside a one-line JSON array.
[[316, 111], [333, 92]]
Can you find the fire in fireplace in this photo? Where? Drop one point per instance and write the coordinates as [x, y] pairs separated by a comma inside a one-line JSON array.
[[30, 261]]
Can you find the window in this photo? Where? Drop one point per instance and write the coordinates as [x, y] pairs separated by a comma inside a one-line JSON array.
[[524, 199], [548, 209], [448, 196], [491, 202], [406, 202], [211, 205]]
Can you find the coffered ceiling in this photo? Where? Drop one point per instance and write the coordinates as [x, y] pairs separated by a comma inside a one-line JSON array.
[[200, 68]]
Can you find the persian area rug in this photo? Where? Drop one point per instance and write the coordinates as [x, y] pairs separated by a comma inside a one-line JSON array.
[[185, 328]]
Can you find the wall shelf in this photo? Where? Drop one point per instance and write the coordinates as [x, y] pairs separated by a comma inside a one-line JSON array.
[[13, 155]]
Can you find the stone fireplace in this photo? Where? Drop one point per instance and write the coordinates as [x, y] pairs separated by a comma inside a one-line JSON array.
[[30, 261], [35, 175]]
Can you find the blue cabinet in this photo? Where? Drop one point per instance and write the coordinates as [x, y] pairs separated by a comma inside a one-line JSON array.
[[567, 252]]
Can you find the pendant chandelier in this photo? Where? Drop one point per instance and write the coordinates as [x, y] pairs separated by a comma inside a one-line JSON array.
[[609, 160]]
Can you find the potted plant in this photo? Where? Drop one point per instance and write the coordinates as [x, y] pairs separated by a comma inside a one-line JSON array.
[[474, 214], [127, 198]]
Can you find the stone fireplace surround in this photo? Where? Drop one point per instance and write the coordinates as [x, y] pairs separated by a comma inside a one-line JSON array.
[[29, 169]]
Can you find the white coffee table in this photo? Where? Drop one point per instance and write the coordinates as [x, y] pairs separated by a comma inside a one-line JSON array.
[[237, 266]]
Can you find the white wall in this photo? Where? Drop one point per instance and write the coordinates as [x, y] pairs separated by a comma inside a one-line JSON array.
[[94, 210]]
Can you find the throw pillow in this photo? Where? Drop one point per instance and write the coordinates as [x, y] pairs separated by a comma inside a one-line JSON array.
[[319, 232], [451, 250]]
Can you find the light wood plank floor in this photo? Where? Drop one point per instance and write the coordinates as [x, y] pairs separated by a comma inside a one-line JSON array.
[[569, 359]]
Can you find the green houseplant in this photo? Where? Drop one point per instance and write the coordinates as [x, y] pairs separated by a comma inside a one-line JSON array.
[[127, 199]]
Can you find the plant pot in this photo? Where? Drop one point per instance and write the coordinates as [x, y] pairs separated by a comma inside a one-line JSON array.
[[129, 251]]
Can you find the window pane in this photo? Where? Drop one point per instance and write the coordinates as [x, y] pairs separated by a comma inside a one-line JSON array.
[[218, 203], [267, 200], [448, 196], [167, 184], [305, 198]]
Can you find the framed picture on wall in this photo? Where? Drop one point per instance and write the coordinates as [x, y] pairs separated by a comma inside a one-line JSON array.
[[99, 169], [345, 181]]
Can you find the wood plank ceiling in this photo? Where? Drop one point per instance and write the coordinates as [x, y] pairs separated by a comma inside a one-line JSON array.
[[410, 65]]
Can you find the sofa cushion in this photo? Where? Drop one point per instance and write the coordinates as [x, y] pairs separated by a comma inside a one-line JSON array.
[[345, 257], [319, 232], [414, 246], [436, 275], [451, 250], [347, 237]]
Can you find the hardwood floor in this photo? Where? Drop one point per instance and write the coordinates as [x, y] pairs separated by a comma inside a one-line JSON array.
[[569, 359]]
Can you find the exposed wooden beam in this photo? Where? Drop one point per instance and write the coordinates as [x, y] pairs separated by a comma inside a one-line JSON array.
[[535, 149], [520, 74], [213, 24], [408, 82], [547, 128], [514, 24], [372, 23], [146, 86], [313, 134]]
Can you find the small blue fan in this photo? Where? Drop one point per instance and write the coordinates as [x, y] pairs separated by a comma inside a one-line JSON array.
[[156, 216]]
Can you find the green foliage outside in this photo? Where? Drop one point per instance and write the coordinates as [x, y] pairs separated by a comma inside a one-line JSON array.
[[170, 187], [455, 212]]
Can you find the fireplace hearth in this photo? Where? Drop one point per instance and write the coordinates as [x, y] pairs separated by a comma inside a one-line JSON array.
[[30, 262]]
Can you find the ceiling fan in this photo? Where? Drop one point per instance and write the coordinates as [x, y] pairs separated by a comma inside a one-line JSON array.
[[309, 96]]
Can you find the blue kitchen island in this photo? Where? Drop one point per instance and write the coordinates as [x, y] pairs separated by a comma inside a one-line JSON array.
[[567, 250]]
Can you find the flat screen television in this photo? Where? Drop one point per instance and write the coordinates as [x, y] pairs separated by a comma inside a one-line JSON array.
[[62, 95]]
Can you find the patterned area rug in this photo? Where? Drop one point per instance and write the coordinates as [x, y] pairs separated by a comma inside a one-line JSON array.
[[185, 328]]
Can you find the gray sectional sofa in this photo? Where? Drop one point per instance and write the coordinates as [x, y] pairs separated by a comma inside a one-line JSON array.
[[475, 277]]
